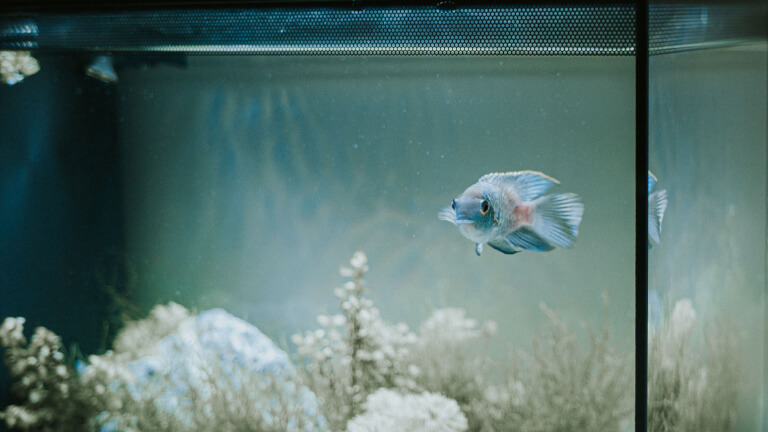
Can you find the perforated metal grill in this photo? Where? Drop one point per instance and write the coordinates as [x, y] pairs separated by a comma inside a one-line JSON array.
[[675, 28], [597, 30], [18, 34]]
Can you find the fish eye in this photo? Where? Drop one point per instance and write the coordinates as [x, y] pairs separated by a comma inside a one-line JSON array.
[[453, 205], [484, 207]]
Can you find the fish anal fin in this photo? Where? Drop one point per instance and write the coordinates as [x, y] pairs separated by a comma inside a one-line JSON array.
[[502, 246], [525, 238]]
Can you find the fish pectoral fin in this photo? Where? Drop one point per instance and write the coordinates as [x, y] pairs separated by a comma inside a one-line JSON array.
[[526, 239], [527, 185], [479, 249], [447, 214], [501, 245]]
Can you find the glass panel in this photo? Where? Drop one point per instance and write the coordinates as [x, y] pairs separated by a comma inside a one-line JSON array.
[[236, 186], [707, 275]]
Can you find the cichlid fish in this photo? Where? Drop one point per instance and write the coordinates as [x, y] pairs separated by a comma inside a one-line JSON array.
[[508, 211], [657, 203]]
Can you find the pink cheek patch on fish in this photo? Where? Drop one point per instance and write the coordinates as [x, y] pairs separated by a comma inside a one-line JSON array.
[[522, 214]]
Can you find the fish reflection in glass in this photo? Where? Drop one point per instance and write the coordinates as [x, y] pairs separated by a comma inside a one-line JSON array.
[[657, 204], [510, 213]]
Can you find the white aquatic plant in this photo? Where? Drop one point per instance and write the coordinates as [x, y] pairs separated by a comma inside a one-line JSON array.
[[691, 386], [45, 385], [138, 337], [366, 375], [561, 386], [354, 353], [134, 388], [451, 356]]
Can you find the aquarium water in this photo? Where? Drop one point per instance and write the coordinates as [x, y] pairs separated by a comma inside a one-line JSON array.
[[215, 235]]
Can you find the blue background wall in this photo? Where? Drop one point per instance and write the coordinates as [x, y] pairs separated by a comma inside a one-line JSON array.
[[60, 205]]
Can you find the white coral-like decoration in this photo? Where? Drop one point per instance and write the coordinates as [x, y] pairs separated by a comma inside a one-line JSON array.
[[388, 410], [16, 65]]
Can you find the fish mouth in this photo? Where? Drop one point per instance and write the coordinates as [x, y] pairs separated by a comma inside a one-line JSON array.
[[464, 221]]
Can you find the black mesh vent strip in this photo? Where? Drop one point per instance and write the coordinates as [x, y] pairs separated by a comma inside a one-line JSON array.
[[546, 30], [680, 27]]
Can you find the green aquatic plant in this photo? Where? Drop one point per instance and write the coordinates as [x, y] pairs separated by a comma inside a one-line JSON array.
[[691, 387], [115, 275]]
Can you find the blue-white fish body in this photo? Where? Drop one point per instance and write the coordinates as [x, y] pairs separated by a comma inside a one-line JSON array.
[[508, 212], [657, 204]]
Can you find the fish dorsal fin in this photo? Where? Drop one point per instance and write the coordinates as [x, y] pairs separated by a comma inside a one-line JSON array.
[[651, 181], [527, 185]]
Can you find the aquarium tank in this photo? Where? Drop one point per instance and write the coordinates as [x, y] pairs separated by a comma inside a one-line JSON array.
[[383, 216]]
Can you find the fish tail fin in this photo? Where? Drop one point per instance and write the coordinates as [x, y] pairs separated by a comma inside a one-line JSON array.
[[556, 218], [657, 204]]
